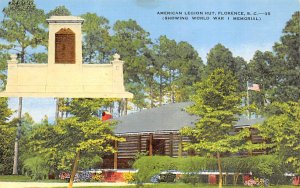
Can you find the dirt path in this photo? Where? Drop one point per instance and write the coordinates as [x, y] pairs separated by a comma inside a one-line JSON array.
[[48, 185]]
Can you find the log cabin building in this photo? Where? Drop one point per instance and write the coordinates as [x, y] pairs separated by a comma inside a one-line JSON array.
[[156, 132]]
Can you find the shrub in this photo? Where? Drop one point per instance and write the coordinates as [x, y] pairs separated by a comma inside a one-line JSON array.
[[36, 168], [192, 178], [196, 164], [264, 166], [269, 166], [150, 166]]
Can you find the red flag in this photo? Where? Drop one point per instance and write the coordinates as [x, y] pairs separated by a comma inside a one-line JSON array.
[[254, 87]]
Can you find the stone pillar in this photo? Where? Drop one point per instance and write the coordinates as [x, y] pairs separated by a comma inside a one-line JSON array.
[[117, 74], [73, 23]]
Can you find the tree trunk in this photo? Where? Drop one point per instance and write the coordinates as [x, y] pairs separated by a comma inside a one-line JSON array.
[[160, 90], [67, 105], [225, 178], [151, 96], [16, 149], [220, 170], [235, 178], [23, 55], [74, 170], [172, 87], [56, 110], [125, 106], [111, 107], [120, 107]]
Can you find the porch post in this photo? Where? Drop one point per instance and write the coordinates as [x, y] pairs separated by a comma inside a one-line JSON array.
[[151, 144], [116, 155], [180, 146], [171, 144]]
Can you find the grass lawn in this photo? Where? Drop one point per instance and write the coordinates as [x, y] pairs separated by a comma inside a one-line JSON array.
[[180, 185], [20, 178], [15, 178]]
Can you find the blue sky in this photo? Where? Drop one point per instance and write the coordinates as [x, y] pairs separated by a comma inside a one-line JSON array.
[[243, 38]]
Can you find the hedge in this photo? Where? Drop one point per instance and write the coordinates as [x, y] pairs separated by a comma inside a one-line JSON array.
[[266, 166]]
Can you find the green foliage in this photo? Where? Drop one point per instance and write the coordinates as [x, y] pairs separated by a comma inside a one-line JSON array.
[[150, 166], [39, 58], [3, 66], [80, 140], [21, 32], [282, 130], [90, 162], [172, 68], [288, 53], [91, 137], [131, 41], [221, 57], [264, 166], [14, 178], [277, 72], [36, 167], [22, 29], [86, 109], [59, 11], [97, 41], [7, 136], [196, 164], [5, 112], [84, 136], [217, 104]]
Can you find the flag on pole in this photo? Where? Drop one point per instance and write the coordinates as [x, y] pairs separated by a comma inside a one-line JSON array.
[[254, 87]]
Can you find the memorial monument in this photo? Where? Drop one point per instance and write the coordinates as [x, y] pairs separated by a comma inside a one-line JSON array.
[[65, 75]]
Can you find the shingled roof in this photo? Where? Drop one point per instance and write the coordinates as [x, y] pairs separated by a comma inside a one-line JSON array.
[[169, 117]]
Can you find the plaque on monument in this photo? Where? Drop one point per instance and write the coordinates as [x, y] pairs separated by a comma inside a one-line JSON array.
[[65, 46]]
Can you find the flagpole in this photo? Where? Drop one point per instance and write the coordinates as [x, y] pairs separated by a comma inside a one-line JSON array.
[[248, 111]]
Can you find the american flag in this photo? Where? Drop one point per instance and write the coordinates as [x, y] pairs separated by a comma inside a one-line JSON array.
[[254, 87]]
